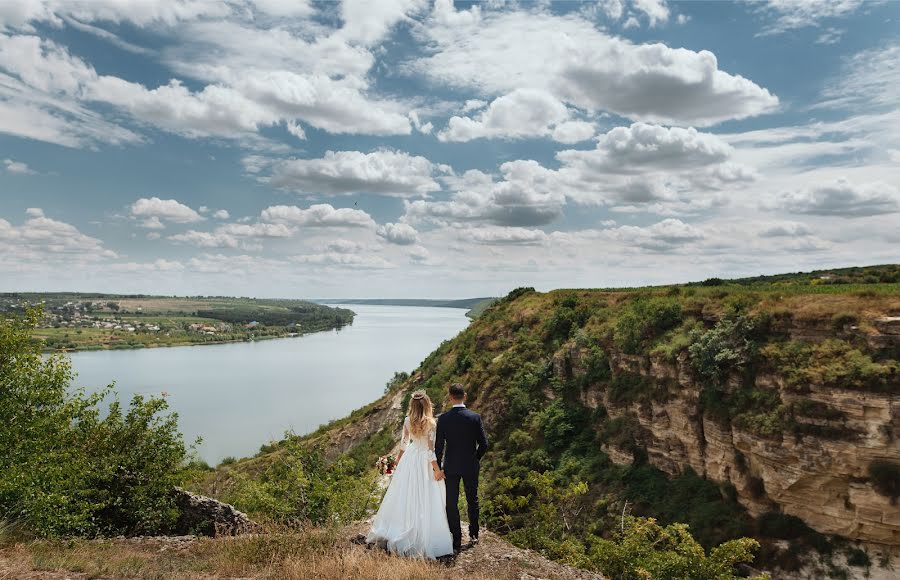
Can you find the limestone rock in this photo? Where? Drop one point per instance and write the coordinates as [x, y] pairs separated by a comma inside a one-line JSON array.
[[206, 516]]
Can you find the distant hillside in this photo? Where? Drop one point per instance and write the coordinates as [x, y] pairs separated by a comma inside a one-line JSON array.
[[89, 321], [467, 303]]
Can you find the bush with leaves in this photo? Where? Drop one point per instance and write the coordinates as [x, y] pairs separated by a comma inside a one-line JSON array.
[[643, 549], [68, 470], [716, 352], [300, 487], [645, 319]]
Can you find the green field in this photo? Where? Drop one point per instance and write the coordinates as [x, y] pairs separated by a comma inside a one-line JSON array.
[[79, 321]]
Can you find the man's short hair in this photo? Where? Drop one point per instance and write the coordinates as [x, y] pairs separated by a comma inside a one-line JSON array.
[[457, 391]]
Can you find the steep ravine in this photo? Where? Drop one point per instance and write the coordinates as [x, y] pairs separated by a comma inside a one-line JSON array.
[[820, 480]]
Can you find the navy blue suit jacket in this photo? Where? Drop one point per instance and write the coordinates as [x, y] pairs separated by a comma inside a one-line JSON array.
[[460, 441]]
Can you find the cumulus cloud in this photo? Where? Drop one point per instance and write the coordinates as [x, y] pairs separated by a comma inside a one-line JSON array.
[[163, 209], [519, 114], [656, 11], [221, 214], [643, 146], [493, 235], [43, 238], [841, 198], [665, 236], [571, 132], [236, 235], [527, 196], [568, 57], [248, 73], [400, 234], [318, 215], [383, 172], [17, 167], [368, 21]]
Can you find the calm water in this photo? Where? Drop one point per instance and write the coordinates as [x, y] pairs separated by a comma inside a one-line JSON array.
[[240, 395]]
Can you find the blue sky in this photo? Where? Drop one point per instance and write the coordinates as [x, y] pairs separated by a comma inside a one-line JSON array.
[[439, 149]]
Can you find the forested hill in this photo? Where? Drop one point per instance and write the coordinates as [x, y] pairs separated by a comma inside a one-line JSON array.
[[768, 410], [437, 303]]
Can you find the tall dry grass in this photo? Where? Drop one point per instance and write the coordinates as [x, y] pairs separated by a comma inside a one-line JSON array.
[[320, 554]]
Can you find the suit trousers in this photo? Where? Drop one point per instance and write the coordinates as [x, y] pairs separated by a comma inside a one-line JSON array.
[[470, 482]]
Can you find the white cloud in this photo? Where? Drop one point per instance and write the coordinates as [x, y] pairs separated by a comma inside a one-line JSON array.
[[152, 223], [319, 215], [581, 66], [209, 240], [656, 11], [20, 14], [17, 167], [787, 15], [842, 198], [519, 114], [284, 8], [368, 21], [383, 172], [164, 209], [43, 238], [642, 146], [571, 132], [528, 195], [492, 235], [221, 214], [868, 79], [400, 234], [235, 235], [343, 260], [341, 246], [665, 236], [830, 36], [785, 230]]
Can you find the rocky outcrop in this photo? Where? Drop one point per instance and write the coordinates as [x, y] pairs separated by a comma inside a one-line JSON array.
[[206, 516], [820, 479]]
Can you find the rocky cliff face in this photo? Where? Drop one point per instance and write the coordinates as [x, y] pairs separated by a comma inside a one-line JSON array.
[[820, 479]]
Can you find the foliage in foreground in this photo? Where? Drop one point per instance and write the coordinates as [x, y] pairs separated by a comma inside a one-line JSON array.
[[624, 548], [66, 469]]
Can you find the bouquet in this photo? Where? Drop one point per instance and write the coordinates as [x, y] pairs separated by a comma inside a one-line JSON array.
[[386, 464]]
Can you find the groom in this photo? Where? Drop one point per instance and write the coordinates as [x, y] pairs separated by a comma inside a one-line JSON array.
[[461, 433]]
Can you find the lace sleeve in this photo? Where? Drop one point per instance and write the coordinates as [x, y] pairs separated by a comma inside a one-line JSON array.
[[404, 440], [431, 436]]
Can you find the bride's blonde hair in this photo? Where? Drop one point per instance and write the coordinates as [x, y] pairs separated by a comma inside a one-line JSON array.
[[421, 413]]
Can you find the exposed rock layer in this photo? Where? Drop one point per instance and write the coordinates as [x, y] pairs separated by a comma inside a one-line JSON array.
[[823, 481]]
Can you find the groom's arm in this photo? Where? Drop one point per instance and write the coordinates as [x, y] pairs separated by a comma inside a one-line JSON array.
[[439, 443], [482, 439]]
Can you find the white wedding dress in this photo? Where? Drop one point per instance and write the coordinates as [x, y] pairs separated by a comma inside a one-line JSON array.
[[412, 519]]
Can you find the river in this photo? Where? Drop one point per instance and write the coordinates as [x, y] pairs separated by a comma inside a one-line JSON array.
[[238, 396]]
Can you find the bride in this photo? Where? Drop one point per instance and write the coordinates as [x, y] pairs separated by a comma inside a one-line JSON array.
[[412, 519]]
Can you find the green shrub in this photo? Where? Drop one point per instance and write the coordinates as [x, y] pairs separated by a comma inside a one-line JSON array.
[[717, 352], [300, 488], [644, 549], [66, 470], [833, 364], [645, 319], [843, 319]]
